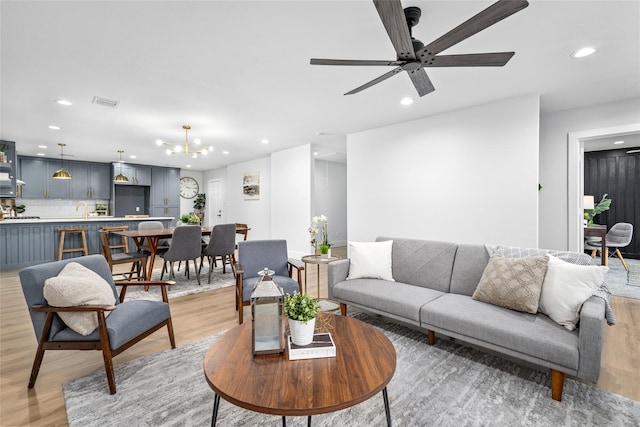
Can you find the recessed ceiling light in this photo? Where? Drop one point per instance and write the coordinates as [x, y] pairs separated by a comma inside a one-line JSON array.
[[54, 127], [265, 141], [40, 154], [225, 152], [581, 53], [187, 166], [618, 142], [42, 146], [406, 101], [63, 102], [132, 156]]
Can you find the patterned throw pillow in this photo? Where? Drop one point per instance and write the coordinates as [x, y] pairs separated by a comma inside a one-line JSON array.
[[513, 283]]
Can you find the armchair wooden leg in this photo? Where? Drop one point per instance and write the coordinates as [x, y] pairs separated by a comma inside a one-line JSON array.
[[106, 352], [431, 338], [172, 338], [240, 312], [557, 384], [37, 361]]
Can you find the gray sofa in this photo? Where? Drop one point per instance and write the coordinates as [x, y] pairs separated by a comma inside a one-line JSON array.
[[433, 285]]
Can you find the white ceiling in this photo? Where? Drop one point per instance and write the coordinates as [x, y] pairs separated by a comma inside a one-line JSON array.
[[239, 72]]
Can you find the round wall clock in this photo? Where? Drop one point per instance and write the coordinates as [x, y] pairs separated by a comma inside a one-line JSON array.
[[188, 187]]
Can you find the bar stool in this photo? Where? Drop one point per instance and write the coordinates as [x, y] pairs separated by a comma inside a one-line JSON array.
[[124, 245], [63, 233]]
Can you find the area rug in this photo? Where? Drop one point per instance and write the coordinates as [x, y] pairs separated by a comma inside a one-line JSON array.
[[183, 285], [617, 278], [443, 385]]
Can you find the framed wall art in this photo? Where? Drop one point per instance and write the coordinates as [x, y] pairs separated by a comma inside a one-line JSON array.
[[251, 185]]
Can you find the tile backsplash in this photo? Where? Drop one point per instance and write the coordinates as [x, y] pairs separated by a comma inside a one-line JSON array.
[[58, 208]]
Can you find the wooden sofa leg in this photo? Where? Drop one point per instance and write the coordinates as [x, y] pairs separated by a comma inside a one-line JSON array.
[[431, 338], [557, 383], [343, 309]]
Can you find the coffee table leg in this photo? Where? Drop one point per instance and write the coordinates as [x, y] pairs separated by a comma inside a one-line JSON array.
[[216, 405], [284, 421], [386, 406]]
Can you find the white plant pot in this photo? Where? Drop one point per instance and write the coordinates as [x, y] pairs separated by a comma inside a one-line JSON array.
[[301, 333]]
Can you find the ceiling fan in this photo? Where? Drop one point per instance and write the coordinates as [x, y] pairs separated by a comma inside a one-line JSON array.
[[413, 56]]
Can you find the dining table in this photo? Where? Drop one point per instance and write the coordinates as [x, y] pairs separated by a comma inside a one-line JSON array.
[[152, 237], [601, 232]]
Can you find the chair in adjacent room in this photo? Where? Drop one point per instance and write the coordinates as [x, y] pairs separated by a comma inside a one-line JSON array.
[[619, 236], [138, 260], [186, 245], [120, 325], [256, 255], [221, 245]]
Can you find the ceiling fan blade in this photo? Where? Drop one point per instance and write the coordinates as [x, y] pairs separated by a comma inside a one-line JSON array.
[[316, 61], [392, 16], [421, 81], [377, 80], [491, 15], [497, 59]]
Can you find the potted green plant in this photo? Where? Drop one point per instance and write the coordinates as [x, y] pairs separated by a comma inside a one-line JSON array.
[[189, 218], [198, 204], [301, 311]]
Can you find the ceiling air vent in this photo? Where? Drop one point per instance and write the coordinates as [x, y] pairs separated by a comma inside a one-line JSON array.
[[105, 102]]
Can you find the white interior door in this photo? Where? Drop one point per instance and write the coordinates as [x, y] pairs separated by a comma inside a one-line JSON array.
[[215, 201]]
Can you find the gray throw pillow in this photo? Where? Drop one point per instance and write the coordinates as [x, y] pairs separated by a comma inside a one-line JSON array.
[[513, 283]]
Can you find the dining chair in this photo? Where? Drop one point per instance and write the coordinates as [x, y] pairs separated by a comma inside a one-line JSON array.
[[138, 260], [256, 255], [221, 244], [163, 244], [186, 245], [120, 324], [618, 236]]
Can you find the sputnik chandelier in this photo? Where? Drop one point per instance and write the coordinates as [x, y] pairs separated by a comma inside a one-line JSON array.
[[184, 148]]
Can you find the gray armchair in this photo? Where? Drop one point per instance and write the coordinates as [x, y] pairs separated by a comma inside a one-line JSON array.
[[128, 322], [186, 245], [619, 236], [255, 256], [222, 243]]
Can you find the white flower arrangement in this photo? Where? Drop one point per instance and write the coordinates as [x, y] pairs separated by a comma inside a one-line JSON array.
[[319, 231]]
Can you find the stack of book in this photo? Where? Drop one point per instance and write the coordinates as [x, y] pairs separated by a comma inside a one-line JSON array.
[[321, 346]]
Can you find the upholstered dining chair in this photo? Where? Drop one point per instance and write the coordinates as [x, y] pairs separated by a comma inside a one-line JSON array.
[[222, 243], [255, 256], [163, 244], [618, 236], [138, 260], [186, 245], [127, 323]]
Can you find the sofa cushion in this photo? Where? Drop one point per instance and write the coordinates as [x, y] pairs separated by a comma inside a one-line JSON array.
[[513, 283], [370, 260], [397, 298], [524, 333], [76, 285], [424, 263], [468, 268], [566, 287]]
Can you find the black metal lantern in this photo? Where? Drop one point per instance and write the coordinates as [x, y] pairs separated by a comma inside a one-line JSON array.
[[267, 313]]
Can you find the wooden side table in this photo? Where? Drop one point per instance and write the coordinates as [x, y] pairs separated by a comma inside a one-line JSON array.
[[599, 231]]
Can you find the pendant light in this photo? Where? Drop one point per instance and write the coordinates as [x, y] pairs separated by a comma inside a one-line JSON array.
[[120, 177], [61, 173]]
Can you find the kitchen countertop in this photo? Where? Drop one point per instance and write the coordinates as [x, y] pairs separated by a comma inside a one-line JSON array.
[[80, 219]]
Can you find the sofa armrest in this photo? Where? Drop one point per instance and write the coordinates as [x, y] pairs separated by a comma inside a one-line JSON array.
[[337, 272], [591, 335]]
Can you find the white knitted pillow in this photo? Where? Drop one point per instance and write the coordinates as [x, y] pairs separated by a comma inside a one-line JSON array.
[[77, 285]]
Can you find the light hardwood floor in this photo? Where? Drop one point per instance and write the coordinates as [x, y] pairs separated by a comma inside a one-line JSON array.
[[200, 315]]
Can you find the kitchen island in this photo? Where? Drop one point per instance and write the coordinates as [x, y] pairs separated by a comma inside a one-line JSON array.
[[26, 242]]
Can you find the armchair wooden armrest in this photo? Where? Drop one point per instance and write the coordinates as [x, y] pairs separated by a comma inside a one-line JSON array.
[[162, 283], [299, 266], [79, 308]]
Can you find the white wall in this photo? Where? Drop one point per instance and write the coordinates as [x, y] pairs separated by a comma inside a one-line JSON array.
[[468, 176], [255, 213], [330, 198], [291, 177], [554, 128]]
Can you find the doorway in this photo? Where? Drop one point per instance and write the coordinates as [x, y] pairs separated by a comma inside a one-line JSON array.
[[575, 171], [215, 198]]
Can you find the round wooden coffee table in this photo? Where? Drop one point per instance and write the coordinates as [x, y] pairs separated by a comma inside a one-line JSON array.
[[272, 384]]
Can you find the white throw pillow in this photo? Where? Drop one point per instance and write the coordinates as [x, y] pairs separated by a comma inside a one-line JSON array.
[[370, 260], [77, 285], [566, 287]]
